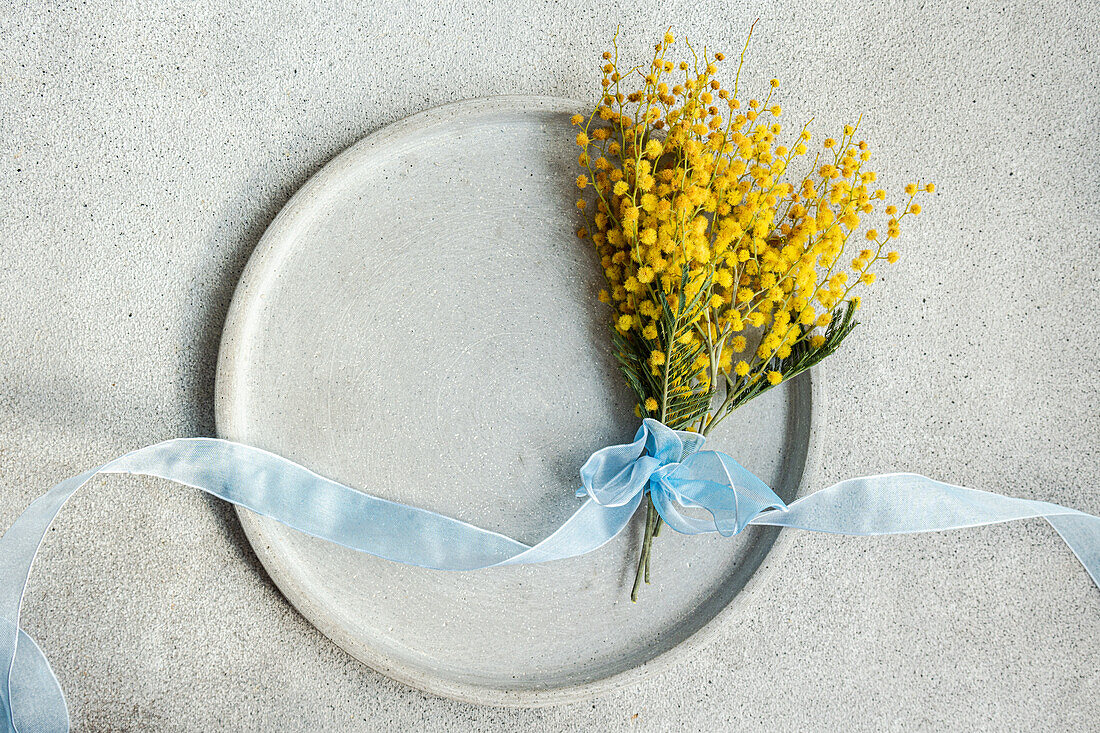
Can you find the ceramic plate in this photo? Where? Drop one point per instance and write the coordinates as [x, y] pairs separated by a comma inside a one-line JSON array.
[[421, 322]]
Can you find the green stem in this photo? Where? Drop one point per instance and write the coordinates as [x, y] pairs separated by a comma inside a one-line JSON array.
[[643, 559], [656, 531]]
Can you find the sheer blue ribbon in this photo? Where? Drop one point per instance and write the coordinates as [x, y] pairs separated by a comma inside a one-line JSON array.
[[694, 491]]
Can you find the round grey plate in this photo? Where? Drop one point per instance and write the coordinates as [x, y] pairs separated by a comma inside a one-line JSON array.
[[420, 322]]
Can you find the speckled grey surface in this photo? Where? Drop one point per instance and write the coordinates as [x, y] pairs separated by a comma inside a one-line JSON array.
[[145, 148]]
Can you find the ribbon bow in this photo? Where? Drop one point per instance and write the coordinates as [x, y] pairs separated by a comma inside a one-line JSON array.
[[668, 465]]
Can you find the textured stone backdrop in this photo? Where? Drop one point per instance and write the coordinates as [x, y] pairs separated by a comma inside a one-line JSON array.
[[145, 147]]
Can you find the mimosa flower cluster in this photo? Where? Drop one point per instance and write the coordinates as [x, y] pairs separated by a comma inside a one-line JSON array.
[[727, 273]]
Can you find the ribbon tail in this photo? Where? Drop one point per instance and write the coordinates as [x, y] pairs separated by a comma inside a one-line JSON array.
[[1082, 533], [30, 697], [308, 502], [591, 527], [904, 503], [32, 682]]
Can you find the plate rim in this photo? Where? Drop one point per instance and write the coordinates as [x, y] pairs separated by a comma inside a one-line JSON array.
[[266, 257]]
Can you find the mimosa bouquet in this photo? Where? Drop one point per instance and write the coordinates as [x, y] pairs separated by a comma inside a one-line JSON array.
[[728, 254]]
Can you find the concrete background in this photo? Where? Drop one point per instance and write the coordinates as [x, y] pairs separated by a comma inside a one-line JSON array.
[[146, 147]]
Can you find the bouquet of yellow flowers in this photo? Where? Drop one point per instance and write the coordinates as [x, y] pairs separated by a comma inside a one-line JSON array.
[[725, 274]]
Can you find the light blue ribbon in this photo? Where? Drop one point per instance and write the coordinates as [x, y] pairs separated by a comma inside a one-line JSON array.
[[695, 491]]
